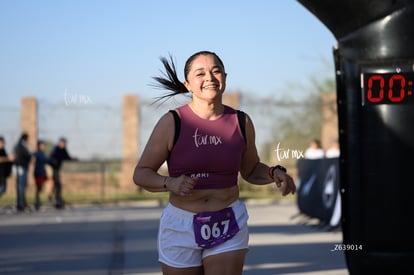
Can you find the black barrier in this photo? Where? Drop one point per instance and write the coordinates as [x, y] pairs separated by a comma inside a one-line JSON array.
[[318, 190], [374, 64]]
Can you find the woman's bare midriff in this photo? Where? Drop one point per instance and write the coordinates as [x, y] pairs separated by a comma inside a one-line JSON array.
[[205, 200]]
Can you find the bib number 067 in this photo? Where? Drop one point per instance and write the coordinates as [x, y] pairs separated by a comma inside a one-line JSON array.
[[216, 230]]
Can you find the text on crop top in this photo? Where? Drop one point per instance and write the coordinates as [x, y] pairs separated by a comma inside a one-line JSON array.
[[210, 150]]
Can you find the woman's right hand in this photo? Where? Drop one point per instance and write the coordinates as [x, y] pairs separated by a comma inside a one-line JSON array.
[[181, 186]]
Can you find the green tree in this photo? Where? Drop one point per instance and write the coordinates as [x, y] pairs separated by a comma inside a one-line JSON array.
[[304, 121]]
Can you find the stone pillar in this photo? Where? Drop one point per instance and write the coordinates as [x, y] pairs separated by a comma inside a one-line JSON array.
[[29, 124], [329, 119], [29, 120], [130, 125], [232, 99]]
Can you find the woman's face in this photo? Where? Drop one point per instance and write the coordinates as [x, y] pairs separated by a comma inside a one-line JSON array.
[[42, 146], [206, 78]]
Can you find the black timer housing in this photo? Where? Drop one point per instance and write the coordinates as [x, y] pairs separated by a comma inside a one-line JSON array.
[[374, 59]]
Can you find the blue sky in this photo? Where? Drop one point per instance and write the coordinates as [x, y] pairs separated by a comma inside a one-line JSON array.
[[102, 49]]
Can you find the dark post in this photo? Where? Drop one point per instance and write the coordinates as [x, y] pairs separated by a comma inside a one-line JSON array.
[[374, 62]]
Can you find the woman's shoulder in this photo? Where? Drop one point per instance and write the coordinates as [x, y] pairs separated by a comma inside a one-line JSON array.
[[229, 110]]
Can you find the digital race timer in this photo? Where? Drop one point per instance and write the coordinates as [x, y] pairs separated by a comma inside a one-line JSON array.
[[387, 84]]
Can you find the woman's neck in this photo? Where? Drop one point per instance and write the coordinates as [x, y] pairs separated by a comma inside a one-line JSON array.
[[207, 110]]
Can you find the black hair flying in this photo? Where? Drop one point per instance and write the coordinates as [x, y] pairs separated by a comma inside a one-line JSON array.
[[169, 80]]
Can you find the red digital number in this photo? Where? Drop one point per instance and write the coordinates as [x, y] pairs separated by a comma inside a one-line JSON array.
[[375, 95], [396, 77], [380, 96]]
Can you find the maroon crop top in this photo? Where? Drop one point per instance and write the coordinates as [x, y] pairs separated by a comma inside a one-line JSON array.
[[210, 150]]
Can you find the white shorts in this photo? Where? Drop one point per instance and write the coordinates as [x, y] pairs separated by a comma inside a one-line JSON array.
[[176, 241]]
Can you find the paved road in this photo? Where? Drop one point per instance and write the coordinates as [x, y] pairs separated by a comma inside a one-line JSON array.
[[121, 239]]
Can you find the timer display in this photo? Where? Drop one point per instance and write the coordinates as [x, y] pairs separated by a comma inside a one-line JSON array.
[[387, 86]]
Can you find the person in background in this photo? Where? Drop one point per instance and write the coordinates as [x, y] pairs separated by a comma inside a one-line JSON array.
[[40, 173], [314, 151], [23, 156], [58, 155], [333, 151], [203, 228], [6, 163]]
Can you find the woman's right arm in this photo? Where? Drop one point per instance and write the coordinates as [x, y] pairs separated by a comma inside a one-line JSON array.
[[154, 155]]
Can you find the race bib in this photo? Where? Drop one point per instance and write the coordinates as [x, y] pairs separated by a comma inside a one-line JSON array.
[[214, 228]]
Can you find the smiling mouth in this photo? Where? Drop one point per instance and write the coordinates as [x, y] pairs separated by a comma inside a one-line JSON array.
[[210, 86]]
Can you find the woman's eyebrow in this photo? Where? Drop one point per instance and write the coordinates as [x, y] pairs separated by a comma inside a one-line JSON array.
[[202, 68], [199, 69]]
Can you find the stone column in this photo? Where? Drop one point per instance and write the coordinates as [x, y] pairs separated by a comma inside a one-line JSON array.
[[29, 124], [130, 125], [232, 99], [28, 120]]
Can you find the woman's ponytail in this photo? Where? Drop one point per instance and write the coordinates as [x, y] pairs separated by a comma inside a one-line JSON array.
[[169, 80]]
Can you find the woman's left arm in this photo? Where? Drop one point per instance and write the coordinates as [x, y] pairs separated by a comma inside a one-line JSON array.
[[256, 172]]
